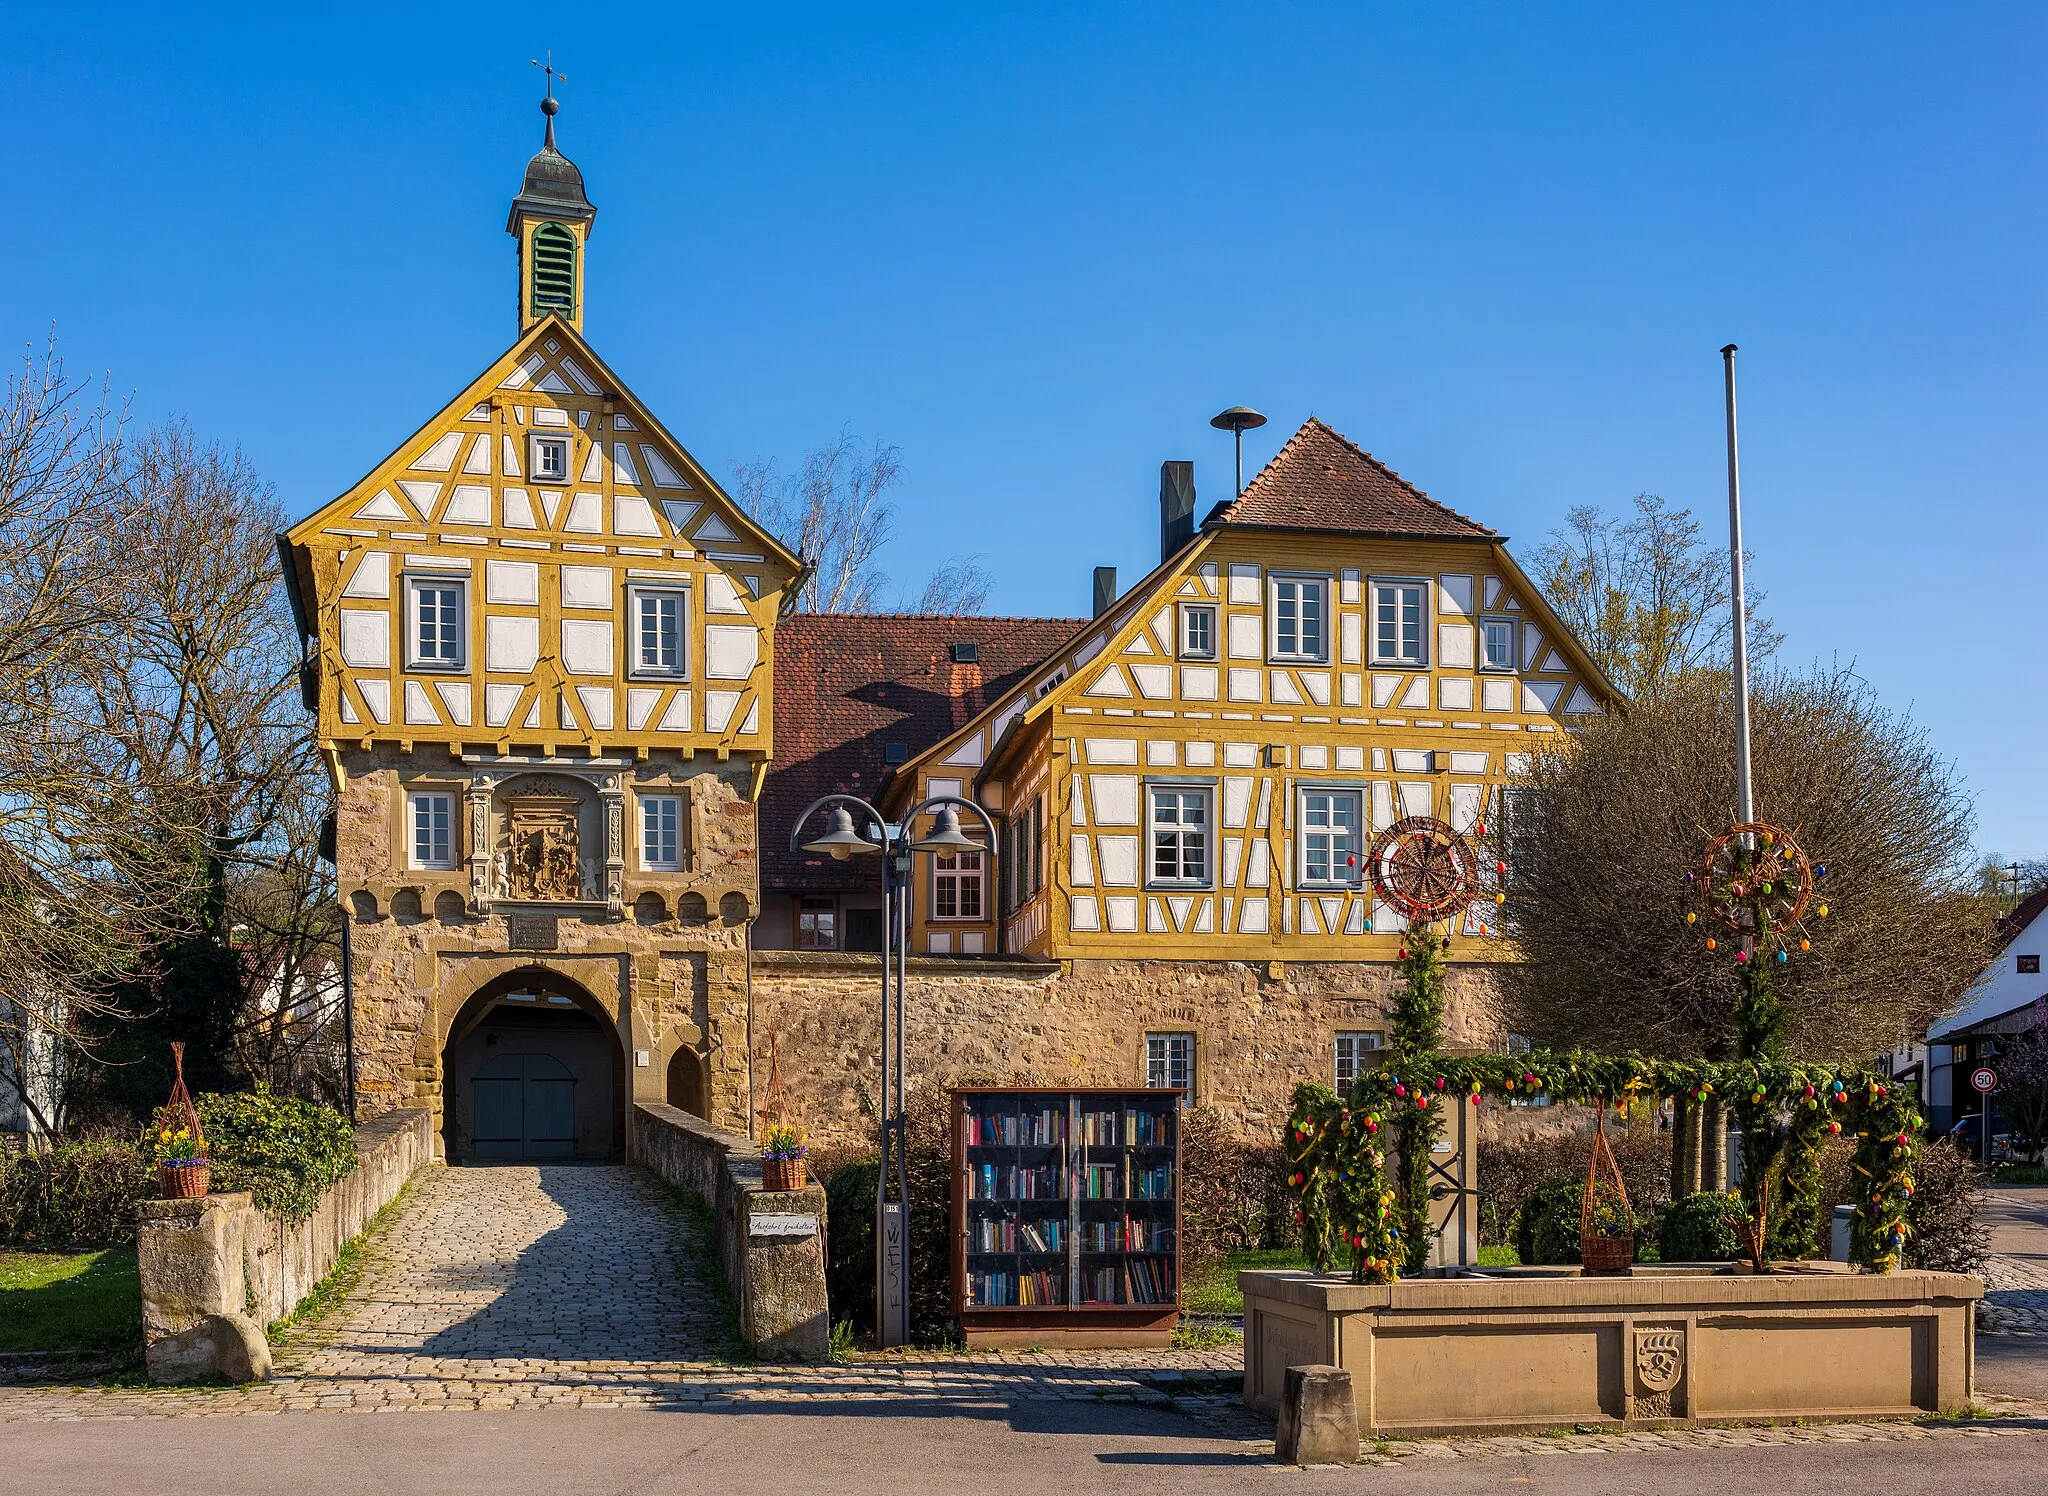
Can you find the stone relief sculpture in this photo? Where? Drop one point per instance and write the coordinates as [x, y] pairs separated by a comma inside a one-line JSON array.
[[543, 861]]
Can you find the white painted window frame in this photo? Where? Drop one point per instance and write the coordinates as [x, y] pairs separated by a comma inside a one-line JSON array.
[[419, 802], [650, 805], [827, 905], [1514, 628], [1341, 875], [534, 440], [635, 591], [1275, 580], [1338, 1046], [1153, 789], [1186, 651], [414, 581], [961, 878], [1159, 1061], [1423, 623]]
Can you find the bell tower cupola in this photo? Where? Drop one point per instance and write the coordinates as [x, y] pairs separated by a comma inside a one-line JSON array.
[[551, 220]]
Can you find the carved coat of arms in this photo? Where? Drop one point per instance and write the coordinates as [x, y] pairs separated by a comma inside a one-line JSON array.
[[543, 862]]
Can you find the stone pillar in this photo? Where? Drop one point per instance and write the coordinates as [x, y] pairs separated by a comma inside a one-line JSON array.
[[482, 844], [195, 1258], [611, 795], [1318, 1418]]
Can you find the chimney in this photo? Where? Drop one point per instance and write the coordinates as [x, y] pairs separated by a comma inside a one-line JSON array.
[[1105, 589], [1176, 506]]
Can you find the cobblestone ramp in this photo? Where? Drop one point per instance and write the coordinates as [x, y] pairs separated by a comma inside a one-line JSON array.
[[561, 1264]]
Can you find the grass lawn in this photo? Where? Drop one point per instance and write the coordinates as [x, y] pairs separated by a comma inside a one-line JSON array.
[[60, 1302], [1215, 1292]]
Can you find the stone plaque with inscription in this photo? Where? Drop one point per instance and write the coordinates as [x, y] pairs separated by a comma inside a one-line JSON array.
[[532, 932]]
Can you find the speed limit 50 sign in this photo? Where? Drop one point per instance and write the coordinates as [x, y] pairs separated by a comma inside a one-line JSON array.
[[1984, 1078]]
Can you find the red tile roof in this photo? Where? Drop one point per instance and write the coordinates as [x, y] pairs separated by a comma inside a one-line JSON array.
[[849, 684], [1321, 481]]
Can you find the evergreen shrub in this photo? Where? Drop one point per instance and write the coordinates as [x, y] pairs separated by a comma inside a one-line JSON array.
[[1701, 1228], [75, 1195], [1547, 1230], [285, 1152]]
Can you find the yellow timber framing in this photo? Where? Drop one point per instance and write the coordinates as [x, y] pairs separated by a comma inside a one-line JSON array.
[[1275, 748], [580, 546]]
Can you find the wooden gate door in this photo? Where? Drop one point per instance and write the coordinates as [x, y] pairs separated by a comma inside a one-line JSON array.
[[525, 1108]]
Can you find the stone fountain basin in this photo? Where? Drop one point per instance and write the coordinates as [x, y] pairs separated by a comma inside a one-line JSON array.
[[1665, 1345]]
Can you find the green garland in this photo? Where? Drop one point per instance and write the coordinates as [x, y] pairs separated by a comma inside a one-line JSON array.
[[1347, 1208], [1418, 1029]]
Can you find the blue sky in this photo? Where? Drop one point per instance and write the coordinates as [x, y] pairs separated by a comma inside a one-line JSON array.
[[1036, 249]]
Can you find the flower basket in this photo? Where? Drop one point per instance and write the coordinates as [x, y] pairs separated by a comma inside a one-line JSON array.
[[782, 1157], [183, 1181], [1607, 1228]]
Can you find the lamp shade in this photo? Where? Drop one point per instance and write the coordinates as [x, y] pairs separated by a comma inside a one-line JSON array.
[[840, 840], [947, 835]]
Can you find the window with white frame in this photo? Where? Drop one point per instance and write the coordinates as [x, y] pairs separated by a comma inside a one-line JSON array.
[[817, 923], [549, 458], [436, 624], [1197, 631], [1179, 819], [1170, 1063], [433, 831], [1329, 835], [1400, 623], [659, 616], [956, 885], [1356, 1051], [1496, 644], [1300, 625], [661, 833]]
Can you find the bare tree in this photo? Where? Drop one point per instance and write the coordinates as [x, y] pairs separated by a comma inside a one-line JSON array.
[[67, 917], [958, 588], [834, 511], [195, 719], [1599, 837], [1644, 595]]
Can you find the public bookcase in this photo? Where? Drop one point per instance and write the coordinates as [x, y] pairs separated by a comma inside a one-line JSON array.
[[1066, 1216]]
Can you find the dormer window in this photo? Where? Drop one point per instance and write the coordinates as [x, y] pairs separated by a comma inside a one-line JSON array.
[[549, 458]]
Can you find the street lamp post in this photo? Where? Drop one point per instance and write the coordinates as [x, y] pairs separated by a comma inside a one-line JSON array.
[[841, 840]]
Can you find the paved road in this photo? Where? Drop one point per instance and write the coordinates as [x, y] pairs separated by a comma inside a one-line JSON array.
[[932, 1447]]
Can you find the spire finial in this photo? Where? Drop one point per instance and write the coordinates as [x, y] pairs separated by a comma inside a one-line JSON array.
[[550, 106]]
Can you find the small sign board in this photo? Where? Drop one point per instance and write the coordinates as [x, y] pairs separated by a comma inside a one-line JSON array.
[[782, 1225], [1984, 1078], [532, 932]]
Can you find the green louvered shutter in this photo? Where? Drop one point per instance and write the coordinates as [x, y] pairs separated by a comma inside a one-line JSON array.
[[554, 271]]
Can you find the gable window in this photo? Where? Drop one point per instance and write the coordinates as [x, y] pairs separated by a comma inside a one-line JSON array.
[[548, 459], [1399, 624], [1496, 644], [1299, 618], [554, 271], [658, 621], [2030, 966], [1170, 1064], [435, 624], [1179, 820], [1355, 1056], [817, 924], [1329, 836], [1197, 631], [956, 885], [433, 831], [661, 833]]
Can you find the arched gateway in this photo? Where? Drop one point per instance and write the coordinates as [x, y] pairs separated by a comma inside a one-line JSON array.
[[533, 1069]]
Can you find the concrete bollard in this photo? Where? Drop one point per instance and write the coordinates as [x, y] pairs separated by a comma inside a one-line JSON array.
[[1318, 1418]]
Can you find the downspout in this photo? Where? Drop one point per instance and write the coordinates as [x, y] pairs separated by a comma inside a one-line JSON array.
[[348, 1008]]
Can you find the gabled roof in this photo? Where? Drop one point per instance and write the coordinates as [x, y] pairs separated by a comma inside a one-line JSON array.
[[508, 371], [2002, 989], [1321, 480], [847, 685]]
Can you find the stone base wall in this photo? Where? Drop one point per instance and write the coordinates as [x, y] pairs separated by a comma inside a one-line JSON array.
[[666, 970], [771, 1244], [216, 1270], [1259, 1027]]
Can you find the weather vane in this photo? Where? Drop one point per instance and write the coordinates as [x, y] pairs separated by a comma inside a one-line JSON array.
[[548, 67]]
